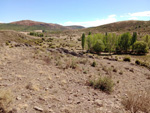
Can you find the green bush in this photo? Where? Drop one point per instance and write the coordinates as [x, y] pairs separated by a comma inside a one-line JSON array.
[[127, 59], [36, 34], [93, 64], [145, 64], [103, 83], [98, 47], [140, 47], [138, 62]]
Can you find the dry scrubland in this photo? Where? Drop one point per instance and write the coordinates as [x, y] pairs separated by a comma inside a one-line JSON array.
[[53, 75]]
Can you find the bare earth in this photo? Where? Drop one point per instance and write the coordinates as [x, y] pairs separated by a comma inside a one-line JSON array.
[[36, 83], [41, 80]]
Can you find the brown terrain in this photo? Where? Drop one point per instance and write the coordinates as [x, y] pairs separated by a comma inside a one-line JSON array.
[[32, 23], [142, 27], [51, 76]]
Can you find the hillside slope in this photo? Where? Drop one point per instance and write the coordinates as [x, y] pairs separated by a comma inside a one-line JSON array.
[[28, 25], [75, 27], [123, 26]]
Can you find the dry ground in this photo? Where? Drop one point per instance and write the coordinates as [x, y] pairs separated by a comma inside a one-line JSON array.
[[52, 81]]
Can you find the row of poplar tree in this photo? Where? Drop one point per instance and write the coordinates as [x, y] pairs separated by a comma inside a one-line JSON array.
[[110, 42]]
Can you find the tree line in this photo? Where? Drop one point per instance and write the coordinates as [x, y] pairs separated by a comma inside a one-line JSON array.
[[119, 44]]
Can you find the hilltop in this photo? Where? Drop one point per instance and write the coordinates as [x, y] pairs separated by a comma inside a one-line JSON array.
[[29, 25], [142, 27], [76, 27], [123, 26]]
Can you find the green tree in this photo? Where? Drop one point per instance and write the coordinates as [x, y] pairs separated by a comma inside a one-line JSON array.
[[105, 41], [98, 47], [134, 38], [140, 47], [89, 33], [125, 42], [111, 41], [147, 40], [83, 41], [89, 42]]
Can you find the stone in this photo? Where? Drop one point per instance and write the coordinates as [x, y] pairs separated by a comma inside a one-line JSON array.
[[18, 98], [98, 102], [38, 108]]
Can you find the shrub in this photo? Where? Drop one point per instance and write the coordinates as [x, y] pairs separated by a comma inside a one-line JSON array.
[[127, 59], [7, 43], [145, 64], [93, 64], [103, 83], [137, 102], [71, 63], [140, 47], [138, 62]]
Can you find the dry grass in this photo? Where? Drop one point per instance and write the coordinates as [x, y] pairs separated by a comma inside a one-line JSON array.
[[5, 100], [72, 63], [137, 102], [103, 83]]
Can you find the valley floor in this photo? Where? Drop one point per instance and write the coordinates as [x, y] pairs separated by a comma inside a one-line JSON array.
[[41, 82]]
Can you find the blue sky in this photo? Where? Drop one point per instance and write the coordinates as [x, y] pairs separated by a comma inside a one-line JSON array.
[[70, 12]]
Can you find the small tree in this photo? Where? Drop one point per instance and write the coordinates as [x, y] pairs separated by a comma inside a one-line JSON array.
[[83, 41], [140, 47]]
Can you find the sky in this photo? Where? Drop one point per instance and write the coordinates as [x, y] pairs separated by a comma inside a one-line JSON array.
[[87, 13]]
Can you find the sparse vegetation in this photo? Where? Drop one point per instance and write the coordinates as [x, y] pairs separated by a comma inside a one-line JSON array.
[[67, 63]]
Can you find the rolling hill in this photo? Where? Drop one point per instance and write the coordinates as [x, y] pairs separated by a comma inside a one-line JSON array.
[[28, 25], [122, 26], [76, 27]]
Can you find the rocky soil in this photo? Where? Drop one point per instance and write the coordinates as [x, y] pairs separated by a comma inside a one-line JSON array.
[[42, 80]]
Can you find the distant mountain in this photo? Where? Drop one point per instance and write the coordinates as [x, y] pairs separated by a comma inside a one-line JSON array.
[[76, 27], [122, 26], [29, 25]]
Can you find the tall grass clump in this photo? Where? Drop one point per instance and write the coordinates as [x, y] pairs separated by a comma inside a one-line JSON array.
[[104, 84]]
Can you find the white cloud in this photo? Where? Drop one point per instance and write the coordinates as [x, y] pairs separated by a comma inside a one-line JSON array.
[[111, 16], [140, 14], [136, 15], [109, 19], [133, 18]]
